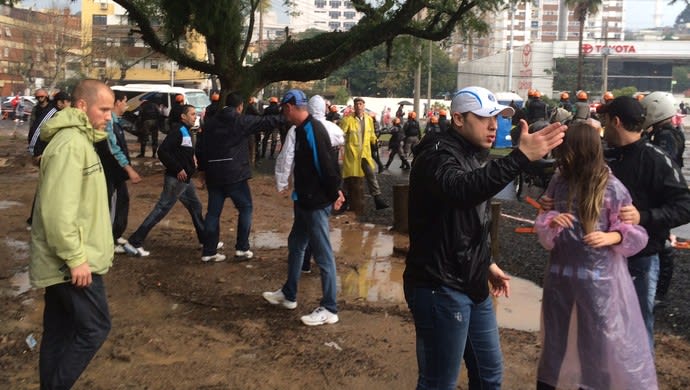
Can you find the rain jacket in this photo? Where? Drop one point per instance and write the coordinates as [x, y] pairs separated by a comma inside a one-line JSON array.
[[451, 183], [357, 149], [286, 158], [592, 288], [71, 223]]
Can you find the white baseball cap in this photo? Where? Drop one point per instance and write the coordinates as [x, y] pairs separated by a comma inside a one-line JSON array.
[[479, 101]]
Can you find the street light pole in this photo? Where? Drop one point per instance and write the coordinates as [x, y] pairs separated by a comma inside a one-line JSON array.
[[428, 85], [510, 47], [605, 60]]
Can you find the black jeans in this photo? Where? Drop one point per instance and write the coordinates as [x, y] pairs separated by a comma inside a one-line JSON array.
[[76, 322], [118, 200]]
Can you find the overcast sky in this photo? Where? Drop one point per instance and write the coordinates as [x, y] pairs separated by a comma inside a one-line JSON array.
[[638, 13]]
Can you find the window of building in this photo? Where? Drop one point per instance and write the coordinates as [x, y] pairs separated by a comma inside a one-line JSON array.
[[335, 3], [8, 32], [6, 52], [153, 64], [334, 14], [348, 25], [349, 14], [348, 4], [99, 20], [320, 3], [334, 25]]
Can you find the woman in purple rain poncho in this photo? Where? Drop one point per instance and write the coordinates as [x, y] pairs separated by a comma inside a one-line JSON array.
[[592, 332]]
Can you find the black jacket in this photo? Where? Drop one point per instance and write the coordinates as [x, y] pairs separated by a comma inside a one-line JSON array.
[[39, 116], [657, 188], [316, 182], [670, 139], [177, 152], [449, 215], [223, 146], [536, 111], [411, 128]]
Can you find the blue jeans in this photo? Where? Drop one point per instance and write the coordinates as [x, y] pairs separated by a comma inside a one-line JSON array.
[[645, 274], [242, 198], [450, 327], [311, 228], [76, 322], [173, 190]]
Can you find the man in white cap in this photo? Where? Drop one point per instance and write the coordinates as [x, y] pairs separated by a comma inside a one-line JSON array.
[[449, 263]]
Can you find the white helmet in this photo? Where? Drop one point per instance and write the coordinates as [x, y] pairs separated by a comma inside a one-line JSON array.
[[659, 107]]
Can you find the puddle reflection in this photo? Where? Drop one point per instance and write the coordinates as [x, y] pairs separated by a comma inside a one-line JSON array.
[[6, 204], [270, 240], [522, 311], [19, 284], [20, 249]]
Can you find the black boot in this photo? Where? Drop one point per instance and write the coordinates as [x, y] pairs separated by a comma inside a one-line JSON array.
[[380, 203]]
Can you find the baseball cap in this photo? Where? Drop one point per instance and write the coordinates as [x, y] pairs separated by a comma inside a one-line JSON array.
[[296, 97], [479, 101], [627, 108]]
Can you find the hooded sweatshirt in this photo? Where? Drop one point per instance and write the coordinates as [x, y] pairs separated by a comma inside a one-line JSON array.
[[71, 223]]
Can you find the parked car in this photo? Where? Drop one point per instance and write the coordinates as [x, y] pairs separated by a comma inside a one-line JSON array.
[[8, 110]]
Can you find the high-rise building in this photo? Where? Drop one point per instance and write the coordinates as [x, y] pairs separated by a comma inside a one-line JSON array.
[[325, 15]]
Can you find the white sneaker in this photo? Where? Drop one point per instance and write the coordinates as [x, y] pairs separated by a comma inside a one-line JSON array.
[[119, 249], [215, 258], [121, 241], [319, 316], [278, 298], [244, 255], [139, 251]]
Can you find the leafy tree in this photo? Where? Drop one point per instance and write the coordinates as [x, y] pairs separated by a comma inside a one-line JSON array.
[[683, 17], [227, 27], [581, 9], [680, 74]]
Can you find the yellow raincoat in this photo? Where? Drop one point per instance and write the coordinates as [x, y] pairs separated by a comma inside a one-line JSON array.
[[355, 149]]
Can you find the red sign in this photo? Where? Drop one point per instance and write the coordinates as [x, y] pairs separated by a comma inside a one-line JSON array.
[[618, 49], [526, 55]]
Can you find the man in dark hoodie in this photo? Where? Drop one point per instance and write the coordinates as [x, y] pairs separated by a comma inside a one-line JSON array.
[[223, 156], [177, 155]]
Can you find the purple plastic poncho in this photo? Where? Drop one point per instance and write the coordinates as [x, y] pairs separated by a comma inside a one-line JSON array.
[[592, 332]]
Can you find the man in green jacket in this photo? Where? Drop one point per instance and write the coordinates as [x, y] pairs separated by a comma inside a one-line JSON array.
[[71, 237]]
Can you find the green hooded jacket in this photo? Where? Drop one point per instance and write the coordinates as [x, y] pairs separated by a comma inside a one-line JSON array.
[[71, 222]]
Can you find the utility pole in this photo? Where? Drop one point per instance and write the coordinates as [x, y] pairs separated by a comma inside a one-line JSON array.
[[605, 59], [418, 81], [428, 85], [509, 87]]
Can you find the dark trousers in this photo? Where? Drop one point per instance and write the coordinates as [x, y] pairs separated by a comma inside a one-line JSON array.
[[118, 196], [666, 257], [76, 322], [241, 196]]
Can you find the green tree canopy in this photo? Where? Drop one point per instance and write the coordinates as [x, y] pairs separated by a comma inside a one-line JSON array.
[[227, 27]]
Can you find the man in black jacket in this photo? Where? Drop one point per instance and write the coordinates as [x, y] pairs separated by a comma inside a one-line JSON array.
[[177, 155], [661, 199], [223, 155], [449, 263], [316, 182]]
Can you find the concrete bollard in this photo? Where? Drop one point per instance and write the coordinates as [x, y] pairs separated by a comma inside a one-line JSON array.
[[400, 203], [355, 194]]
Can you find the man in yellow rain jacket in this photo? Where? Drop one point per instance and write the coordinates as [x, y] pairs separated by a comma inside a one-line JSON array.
[[71, 237], [357, 160]]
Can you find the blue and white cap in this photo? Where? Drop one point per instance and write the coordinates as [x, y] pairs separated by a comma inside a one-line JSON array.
[[479, 101], [296, 97]]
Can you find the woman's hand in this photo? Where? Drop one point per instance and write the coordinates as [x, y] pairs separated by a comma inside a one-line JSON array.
[[564, 220], [602, 239]]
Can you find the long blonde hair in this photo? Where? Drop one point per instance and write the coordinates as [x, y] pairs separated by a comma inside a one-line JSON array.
[[581, 162]]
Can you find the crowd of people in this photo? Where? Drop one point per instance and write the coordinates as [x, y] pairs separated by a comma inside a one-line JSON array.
[[607, 217]]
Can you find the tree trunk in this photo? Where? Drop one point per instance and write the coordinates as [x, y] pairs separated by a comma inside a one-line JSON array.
[[580, 55]]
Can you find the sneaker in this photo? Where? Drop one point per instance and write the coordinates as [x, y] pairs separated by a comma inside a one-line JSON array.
[[121, 241], [278, 298], [220, 245], [306, 271], [138, 251], [380, 203], [119, 249], [244, 255], [214, 258], [320, 316]]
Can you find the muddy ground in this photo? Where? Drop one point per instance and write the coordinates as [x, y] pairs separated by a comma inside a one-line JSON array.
[[181, 324]]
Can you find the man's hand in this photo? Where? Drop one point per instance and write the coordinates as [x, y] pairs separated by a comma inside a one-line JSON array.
[[602, 239], [546, 203], [339, 202], [201, 178], [629, 214], [133, 175], [564, 220], [81, 275], [182, 175], [540, 143], [499, 281]]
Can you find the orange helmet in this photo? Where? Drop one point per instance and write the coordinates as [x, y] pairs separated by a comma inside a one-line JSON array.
[[639, 97], [333, 108], [530, 92], [179, 98], [215, 96], [434, 119], [252, 100], [565, 96], [608, 96], [537, 94], [412, 115], [442, 113], [582, 95], [396, 121], [273, 99]]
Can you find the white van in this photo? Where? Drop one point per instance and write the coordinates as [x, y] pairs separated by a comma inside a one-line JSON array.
[[137, 93]]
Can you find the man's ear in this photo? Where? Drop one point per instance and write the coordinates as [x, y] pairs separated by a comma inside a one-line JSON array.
[[81, 104], [458, 120]]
